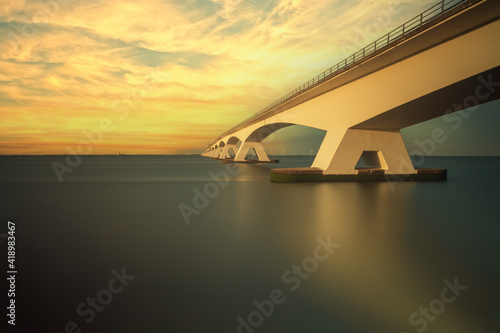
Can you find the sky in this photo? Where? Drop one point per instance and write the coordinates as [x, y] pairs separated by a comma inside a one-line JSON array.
[[169, 76]]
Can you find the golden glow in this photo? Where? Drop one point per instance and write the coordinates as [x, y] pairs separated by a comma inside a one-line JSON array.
[[169, 75]]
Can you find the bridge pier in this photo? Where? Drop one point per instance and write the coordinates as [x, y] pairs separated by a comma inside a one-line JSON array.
[[217, 152], [429, 70], [225, 151], [381, 150], [259, 150], [212, 153]]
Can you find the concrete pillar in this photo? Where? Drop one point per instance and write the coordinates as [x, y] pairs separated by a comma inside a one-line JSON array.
[[259, 150], [225, 151], [217, 152], [385, 146], [328, 147]]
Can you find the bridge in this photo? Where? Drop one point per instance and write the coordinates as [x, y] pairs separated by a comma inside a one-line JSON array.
[[440, 62]]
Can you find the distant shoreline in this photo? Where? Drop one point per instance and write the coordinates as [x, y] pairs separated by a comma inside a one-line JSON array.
[[196, 154], [1, 155]]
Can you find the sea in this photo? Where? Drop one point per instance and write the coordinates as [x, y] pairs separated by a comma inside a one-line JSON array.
[[138, 243]]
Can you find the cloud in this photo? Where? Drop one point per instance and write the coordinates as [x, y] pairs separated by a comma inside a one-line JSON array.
[[175, 64]]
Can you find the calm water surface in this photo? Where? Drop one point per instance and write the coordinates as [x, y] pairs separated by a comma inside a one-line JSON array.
[[395, 245]]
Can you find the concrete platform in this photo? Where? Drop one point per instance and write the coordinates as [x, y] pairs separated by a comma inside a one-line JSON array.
[[297, 175], [231, 160]]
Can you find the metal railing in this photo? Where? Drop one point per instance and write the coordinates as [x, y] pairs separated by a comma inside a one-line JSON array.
[[426, 18]]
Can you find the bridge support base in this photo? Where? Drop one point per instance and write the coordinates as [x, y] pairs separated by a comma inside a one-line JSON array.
[[216, 153], [225, 151], [259, 150], [231, 160], [380, 150], [307, 175]]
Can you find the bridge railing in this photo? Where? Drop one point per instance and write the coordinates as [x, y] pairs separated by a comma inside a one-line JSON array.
[[395, 36]]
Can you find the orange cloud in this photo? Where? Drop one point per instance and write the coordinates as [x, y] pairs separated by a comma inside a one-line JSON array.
[[171, 76]]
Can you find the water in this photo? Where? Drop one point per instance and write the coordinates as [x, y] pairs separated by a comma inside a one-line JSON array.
[[394, 245]]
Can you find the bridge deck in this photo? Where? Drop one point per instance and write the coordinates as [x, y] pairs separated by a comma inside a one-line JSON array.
[[459, 19]]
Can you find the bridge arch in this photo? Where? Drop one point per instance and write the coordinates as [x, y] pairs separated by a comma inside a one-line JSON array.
[[254, 136], [363, 105], [230, 144], [233, 140], [263, 132]]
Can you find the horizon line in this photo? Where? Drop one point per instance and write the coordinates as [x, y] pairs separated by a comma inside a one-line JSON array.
[[199, 154]]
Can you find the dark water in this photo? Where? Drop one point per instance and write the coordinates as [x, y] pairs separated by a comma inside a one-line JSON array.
[[392, 246]]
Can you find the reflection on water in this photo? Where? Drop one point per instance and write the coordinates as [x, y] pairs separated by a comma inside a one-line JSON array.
[[398, 244]]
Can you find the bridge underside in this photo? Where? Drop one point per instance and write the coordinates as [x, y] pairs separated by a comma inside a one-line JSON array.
[[363, 116], [381, 134], [378, 140]]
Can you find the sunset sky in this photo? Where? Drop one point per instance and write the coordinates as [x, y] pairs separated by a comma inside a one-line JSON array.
[[169, 76]]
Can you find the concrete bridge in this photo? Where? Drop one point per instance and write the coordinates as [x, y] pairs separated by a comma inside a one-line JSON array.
[[442, 61]]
